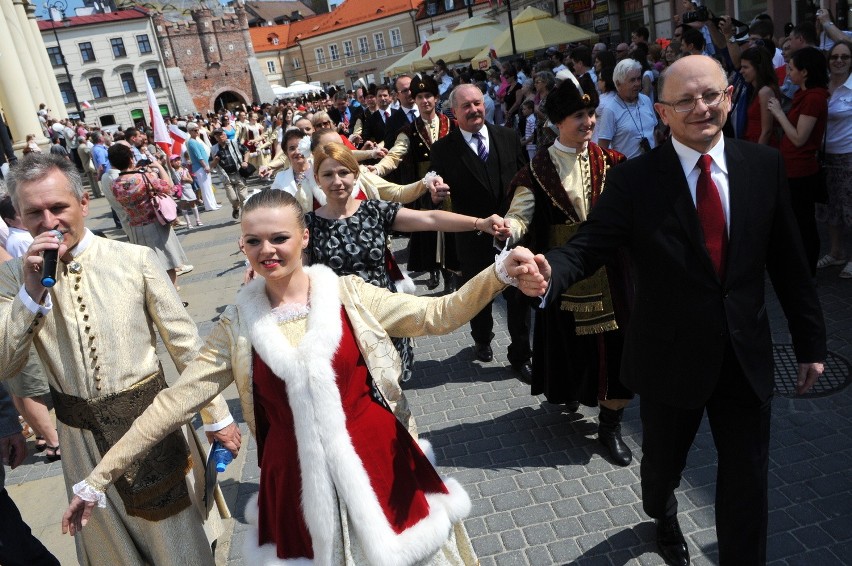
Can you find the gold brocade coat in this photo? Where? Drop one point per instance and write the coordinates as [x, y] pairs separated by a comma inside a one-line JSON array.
[[98, 338]]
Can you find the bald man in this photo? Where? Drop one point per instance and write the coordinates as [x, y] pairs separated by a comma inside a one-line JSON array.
[[703, 218]]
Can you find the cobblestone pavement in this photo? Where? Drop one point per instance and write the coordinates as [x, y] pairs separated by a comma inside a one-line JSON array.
[[542, 490]]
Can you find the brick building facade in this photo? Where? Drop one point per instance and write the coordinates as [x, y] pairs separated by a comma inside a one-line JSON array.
[[210, 61]]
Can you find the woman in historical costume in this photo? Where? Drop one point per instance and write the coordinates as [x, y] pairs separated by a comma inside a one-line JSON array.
[[577, 340], [254, 137], [342, 481], [349, 233], [133, 189]]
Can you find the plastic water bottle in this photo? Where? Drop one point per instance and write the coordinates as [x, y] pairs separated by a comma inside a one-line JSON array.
[[221, 455]]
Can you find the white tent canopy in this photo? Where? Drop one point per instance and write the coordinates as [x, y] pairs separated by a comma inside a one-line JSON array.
[[413, 61], [296, 88]]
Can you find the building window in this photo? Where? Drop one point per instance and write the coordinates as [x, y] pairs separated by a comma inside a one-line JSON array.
[[98, 88], [118, 47], [55, 56], [127, 83], [395, 37], [143, 43], [67, 92], [154, 78], [107, 120], [320, 55], [296, 63], [363, 46], [270, 66], [333, 52], [347, 48], [379, 39], [448, 5], [87, 52]]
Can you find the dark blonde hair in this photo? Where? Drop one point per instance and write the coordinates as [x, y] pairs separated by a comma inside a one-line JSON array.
[[273, 198], [339, 153]]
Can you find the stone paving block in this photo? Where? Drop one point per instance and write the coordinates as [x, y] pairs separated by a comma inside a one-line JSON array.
[[620, 496], [593, 544], [545, 494], [623, 516], [513, 540], [564, 551], [530, 479], [838, 528], [487, 545], [533, 514], [498, 486], [595, 521], [821, 556], [567, 507], [499, 522], [782, 545], [538, 555], [595, 483], [512, 500], [593, 502]]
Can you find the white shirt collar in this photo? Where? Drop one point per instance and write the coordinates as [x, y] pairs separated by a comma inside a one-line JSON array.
[[565, 149], [468, 136], [83, 244], [689, 157]]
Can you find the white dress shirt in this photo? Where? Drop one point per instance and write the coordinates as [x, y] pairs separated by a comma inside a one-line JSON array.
[[472, 142], [718, 172]]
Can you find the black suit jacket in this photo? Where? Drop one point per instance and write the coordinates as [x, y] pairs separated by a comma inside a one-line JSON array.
[[354, 114], [470, 193], [375, 129], [397, 121], [684, 316]]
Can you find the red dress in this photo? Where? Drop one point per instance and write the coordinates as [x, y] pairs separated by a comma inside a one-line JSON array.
[[400, 474], [753, 125]]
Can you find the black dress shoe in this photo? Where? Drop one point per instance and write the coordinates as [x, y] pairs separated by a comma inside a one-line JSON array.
[[433, 280], [524, 371], [483, 352], [609, 434], [670, 542], [572, 406]]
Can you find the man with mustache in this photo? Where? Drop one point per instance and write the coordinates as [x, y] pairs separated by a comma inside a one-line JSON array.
[[478, 161]]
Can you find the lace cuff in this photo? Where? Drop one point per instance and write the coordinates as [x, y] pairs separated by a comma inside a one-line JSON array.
[[500, 268], [429, 178], [86, 492]]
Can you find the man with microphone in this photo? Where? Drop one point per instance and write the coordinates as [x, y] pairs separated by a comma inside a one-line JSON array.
[[93, 332]]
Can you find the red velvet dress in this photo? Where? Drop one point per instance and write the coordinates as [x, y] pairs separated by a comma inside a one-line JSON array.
[[400, 474]]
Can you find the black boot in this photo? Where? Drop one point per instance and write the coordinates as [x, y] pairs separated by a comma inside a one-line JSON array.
[[434, 280], [609, 434], [450, 281]]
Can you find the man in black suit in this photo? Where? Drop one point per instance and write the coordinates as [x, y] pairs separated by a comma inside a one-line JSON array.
[[375, 126], [702, 218], [343, 115], [478, 161], [408, 111]]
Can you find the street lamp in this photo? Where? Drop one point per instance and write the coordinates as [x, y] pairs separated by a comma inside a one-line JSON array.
[[61, 6]]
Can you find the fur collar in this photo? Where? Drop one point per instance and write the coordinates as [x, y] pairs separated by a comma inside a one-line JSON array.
[[328, 461]]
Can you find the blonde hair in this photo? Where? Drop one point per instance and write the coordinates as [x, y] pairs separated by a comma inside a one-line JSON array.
[[339, 153]]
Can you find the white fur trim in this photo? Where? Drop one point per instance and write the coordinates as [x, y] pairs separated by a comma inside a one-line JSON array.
[[252, 510], [327, 458], [406, 284], [426, 448]]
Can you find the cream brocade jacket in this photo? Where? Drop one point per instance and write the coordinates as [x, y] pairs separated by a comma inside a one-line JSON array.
[[97, 338], [376, 314]]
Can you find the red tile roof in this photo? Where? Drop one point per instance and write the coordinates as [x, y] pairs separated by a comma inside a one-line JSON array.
[[132, 14], [350, 13]]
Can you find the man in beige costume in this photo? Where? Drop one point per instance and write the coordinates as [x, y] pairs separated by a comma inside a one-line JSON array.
[[94, 334]]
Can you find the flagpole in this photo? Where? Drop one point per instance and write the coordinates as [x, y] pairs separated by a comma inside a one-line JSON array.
[[511, 27]]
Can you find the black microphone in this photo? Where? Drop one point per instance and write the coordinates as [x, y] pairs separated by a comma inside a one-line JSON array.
[[48, 266]]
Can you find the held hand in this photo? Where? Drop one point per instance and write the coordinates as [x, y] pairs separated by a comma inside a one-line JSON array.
[[438, 189], [774, 106], [379, 152], [264, 171], [808, 375], [229, 437], [244, 164], [33, 262], [77, 515], [504, 234], [823, 16], [369, 144], [496, 226], [356, 139], [13, 449], [372, 169], [527, 268], [726, 28]]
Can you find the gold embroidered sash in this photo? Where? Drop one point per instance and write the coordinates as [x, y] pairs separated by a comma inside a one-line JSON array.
[[153, 487]]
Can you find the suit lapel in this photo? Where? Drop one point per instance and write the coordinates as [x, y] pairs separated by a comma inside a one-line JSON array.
[[738, 183], [682, 203], [470, 159]]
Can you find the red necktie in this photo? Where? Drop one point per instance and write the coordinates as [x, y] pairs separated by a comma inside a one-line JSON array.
[[387, 115], [711, 216]]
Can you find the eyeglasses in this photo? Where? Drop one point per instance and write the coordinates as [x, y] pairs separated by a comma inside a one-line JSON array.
[[709, 99], [840, 57]]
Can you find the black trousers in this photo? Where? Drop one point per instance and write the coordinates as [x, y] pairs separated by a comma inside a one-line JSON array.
[[18, 546], [475, 252], [739, 422], [803, 193]]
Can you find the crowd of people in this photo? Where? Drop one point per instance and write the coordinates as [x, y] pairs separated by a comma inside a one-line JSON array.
[[629, 201]]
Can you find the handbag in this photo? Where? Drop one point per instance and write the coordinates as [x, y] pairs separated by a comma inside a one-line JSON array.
[[165, 208], [247, 171]]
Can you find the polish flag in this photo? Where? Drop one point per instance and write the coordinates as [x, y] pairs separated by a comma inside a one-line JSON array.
[[86, 105], [161, 134], [179, 137], [425, 49]]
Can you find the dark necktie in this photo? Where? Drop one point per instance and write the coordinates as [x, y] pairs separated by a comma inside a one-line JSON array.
[[411, 115], [387, 115], [711, 216], [481, 150]]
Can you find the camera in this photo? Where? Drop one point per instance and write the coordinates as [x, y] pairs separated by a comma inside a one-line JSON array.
[[700, 14]]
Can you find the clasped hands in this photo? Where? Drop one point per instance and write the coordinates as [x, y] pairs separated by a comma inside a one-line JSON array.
[[532, 271]]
